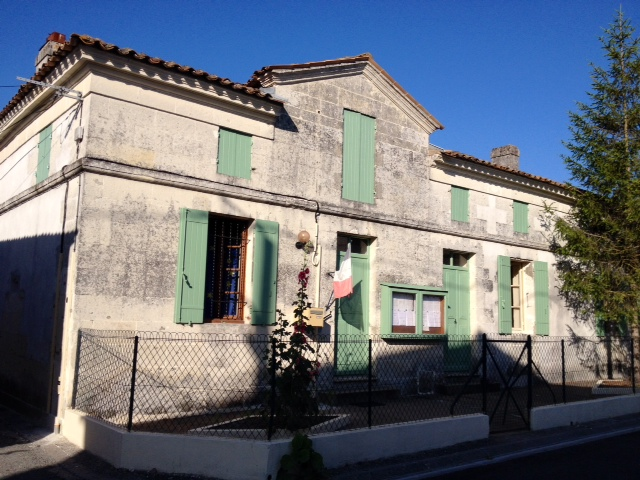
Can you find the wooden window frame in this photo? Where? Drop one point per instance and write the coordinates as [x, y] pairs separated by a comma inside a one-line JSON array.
[[220, 273], [518, 291], [539, 290], [419, 292], [192, 277]]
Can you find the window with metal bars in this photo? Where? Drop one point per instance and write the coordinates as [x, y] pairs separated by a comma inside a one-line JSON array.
[[225, 271]]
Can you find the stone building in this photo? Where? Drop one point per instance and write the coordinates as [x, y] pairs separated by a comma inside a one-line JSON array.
[[140, 194]]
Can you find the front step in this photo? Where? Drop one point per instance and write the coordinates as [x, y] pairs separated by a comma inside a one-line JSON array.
[[454, 383], [355, 390]]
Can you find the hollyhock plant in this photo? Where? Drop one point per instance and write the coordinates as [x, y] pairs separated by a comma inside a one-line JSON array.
[[291, 359]]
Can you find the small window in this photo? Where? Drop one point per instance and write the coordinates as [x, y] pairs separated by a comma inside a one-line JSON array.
[[459, 204], [234, 154], [455, 259], [606, 328], [520, 217], [358, 245], [412, 310]]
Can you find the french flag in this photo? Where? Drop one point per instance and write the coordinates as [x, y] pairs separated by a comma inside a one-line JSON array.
[[342, 280]]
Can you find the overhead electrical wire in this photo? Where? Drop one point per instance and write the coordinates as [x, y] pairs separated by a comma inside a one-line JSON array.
[[73, 113]]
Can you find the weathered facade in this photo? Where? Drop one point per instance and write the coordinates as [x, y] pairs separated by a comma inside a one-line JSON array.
[[157, 197]]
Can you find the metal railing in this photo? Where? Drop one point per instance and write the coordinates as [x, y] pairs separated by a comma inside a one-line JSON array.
[[203, 384]]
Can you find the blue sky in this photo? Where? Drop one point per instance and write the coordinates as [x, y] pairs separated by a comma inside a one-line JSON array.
[[494, 72]]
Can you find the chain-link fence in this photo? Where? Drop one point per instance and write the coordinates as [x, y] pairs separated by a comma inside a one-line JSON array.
[[221, 385]]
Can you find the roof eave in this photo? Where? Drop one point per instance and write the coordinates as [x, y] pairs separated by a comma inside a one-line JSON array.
[[77, 40], [471, 164]]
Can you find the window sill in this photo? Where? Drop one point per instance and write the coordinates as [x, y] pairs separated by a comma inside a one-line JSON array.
[[413, 336]]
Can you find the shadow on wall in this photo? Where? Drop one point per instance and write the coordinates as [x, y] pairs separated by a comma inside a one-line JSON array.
[[33, 281]]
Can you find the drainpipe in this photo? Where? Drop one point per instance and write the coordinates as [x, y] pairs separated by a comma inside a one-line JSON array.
[[55, 333], [315, 261]]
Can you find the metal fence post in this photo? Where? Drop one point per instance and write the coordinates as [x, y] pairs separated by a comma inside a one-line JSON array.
[[133, 382], [608, 340], [529, 374], [564, 374], [485, 385], [633, 366], [272, 403], [370, 392], [76, 376]]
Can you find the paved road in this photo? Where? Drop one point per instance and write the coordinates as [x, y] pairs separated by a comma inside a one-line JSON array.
[[469, 460], [606, 449], [30, 452], [616, 458]]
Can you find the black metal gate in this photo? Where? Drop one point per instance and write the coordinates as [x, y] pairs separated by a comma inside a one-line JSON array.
[[506, 372]]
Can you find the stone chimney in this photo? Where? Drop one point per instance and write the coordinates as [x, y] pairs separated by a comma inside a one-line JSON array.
[[507, 156], [54, 41]]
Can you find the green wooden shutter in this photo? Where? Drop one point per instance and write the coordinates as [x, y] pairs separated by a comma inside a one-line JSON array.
[[541, 285], [192, 257], [44, 154], [520, 217], [600, 325], [623, 327], [265, 272], [234, 154], [386, 304], [504, 295], [367, 158], [358, 157], [459, 204]]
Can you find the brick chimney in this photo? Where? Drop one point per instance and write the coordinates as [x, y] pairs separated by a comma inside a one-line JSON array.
[[507, 156], [54, 41]]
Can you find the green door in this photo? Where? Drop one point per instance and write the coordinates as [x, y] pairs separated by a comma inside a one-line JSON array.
[[458, 325], [352, 329]]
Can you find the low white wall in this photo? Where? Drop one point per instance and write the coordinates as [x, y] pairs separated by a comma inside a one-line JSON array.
[[341, 448], [580, 412], [234, 459]]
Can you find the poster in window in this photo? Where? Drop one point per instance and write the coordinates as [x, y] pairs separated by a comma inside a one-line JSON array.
[[404, 312], [432, 309]]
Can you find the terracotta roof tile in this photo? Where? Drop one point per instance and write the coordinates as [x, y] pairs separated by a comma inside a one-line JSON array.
[[254, 82], [464, 156], [88, 41]]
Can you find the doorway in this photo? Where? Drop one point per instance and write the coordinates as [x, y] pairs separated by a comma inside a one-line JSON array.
[[352, 329], [458, 322]]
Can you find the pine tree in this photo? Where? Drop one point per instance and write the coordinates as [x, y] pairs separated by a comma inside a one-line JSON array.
[[597, 246]]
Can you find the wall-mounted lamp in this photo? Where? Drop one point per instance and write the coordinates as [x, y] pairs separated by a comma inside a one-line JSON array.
[[304, 240]]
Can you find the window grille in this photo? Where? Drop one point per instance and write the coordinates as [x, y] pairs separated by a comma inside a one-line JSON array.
[[227, 240]]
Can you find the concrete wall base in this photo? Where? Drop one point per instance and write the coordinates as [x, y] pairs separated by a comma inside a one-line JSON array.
[[235, 459], [580, 412]]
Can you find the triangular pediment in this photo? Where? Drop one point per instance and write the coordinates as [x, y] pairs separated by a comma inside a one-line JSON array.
[[271, 76]]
